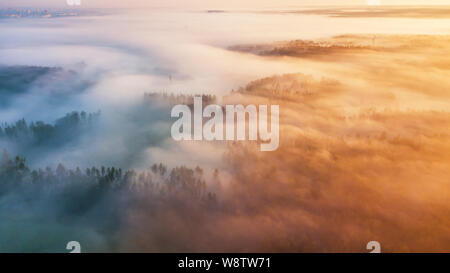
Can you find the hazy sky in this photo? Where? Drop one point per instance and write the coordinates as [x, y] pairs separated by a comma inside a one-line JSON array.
[[214, 3]]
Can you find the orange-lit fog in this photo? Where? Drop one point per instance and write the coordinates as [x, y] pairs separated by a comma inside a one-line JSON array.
[[364, 129], [364, 155]]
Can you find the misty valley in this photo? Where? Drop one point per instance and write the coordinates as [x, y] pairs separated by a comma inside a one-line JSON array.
[[353, 103]]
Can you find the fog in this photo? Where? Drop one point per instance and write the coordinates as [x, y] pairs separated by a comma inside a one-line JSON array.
[[363, 134]]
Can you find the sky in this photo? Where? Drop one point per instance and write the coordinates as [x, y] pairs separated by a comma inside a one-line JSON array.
[[213, 3]]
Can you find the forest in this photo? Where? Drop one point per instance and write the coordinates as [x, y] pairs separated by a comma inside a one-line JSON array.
[[41, 133]]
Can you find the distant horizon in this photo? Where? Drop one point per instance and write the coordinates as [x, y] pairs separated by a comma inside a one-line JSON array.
[[219, 4], [230, 8]]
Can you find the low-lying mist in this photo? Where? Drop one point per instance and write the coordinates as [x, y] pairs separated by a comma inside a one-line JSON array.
[[364, 137]]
